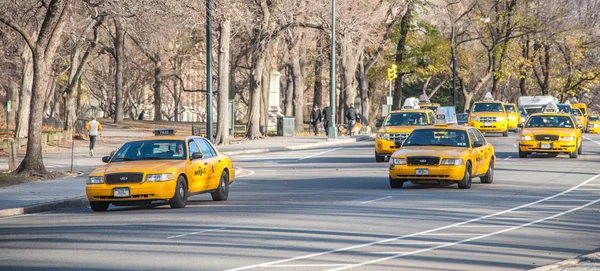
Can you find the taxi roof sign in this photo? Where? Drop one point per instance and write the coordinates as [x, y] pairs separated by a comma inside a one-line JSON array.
[[411, 104], [488, 97], [445, 115], [424, 98], [167, 131], [551, 107]]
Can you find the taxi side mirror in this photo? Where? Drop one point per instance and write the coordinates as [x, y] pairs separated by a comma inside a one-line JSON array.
[[398, 143], [468, 111], [520, 125], [106, 159], [378, 124], [197, 155], [579, 126], [477, 144]]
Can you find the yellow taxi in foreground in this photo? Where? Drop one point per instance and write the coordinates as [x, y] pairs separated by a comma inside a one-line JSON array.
[[489, 116], [514, 117], [550, 132], [443, 153], [397, 126], [593, 124], [163, 167]]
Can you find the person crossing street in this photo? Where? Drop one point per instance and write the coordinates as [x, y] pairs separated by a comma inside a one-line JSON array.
[[93, 127], [315, 119]]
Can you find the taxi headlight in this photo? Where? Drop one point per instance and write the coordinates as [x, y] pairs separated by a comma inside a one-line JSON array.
[[593, 125], [384, 136], [159, 177], [567, 138], [95, 180], [452, 161], [501, 118], [475, 118], [398, 161], [512, 117], [526, 138]]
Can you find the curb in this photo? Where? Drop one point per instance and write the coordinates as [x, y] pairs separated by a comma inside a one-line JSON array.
[[567, 263], [301, 147], [80, 201]]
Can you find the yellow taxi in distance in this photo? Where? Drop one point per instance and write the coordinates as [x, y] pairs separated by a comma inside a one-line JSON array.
[[164, 167], [398, 125], [489, 116], [579, 117], [514, 117], [584, 112], [594, 124], [550, 132], [443, 153]]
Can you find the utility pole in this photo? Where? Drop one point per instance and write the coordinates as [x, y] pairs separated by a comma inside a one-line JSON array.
[[209, 111], [332, 131]]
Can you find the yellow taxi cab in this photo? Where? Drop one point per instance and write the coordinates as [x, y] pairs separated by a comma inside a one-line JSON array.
[[514, 117], [579, 117], [163, 167], [584, 113], [594, 124], [550, 132], [489, 116], [398, 125], [442, 153]]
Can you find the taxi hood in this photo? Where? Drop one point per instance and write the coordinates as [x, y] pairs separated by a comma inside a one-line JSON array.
[[146, 166], [548, 131], [398, 129], [449, 152], [488, 114]]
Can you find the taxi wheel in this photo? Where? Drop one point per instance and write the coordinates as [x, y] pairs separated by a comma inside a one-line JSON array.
[[181, 194], [379, 158], [573, 154], [222, 191], [489, 175], [465, 183], [99, 206], [505, 133], [580, 149], [395, 183], [522, 154]]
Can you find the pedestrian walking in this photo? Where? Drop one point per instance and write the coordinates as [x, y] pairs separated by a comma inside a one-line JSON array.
[[326, 119], [351, 116], [315, 118], [93, 127]]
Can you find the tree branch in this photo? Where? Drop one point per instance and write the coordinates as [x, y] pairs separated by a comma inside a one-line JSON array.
[[28, 39]]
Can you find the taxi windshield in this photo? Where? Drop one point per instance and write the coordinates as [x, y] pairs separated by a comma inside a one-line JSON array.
[[510, 108], [438, 137], [488, 107], [593, 118], [151, 150], [406, 119], [463, 117], [549, 121]]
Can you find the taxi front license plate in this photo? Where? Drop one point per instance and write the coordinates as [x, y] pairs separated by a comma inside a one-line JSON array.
[[422, 171], [121, 192], [487, 123], [546, 146]]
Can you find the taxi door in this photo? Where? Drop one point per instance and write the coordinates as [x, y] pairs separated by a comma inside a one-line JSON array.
[[211, 161], [475, 154], [196, 171], [488, 152]]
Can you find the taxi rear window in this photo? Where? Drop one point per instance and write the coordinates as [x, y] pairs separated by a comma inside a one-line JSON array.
[[510, 108], [406, 119], [438, 137], [594, 118], [151, 150], [549, 121]]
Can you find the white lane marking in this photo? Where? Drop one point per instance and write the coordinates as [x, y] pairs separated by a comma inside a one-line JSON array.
[[451, 234], [467, 240], [194, 233], [306, 265], [418, 233], [515, 145], [250, 173], [591, 140], [317, 154], [483, 226], [375, 200], [507, 158], [570, 200]]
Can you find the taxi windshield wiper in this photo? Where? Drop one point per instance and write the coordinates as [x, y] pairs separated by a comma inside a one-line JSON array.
[[150, 158], [122, 159]]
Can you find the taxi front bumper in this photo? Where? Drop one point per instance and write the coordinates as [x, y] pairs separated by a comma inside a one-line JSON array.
[[547, 146], [498, 127], [137, 191], [385, 147], [594, 130], [440, 172]]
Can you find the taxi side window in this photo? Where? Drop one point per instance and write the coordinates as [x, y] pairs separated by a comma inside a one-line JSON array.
[[480, 137], [431, 118], [206, 148], [193, 148]]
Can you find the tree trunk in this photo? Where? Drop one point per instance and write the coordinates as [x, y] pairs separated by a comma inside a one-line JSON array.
[[222, 136], [253, 131], [299, 84], [23, 109], [79, 94], [289, 92], [157, 88], [348, 65], [318, 92], [363, 91], [523, 70], [119, 44], [400, 51]]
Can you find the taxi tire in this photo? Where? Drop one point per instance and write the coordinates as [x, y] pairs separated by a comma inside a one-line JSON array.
[[489, 175], [505, 133], [179, 200], [379, 158], [396, 183], [573, 154], [222, 192], [99, 206], [580, 149], [522, 154], [465, 183]]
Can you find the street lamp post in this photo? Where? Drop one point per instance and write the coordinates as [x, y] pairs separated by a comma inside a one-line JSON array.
[[332, 133], [209, 112]]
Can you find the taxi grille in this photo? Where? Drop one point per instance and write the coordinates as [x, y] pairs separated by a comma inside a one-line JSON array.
[[546, 137], [424, 160], [398, 136], [119, 178], [488, 119]]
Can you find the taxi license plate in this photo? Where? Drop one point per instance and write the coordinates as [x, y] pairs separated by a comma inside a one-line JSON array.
[[546, 146], [121, 192], [487, 123], [422, 171]]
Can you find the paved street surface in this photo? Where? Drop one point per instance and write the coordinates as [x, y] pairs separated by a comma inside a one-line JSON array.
[[331, 208]]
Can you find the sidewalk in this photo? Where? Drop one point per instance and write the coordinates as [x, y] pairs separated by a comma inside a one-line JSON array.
[[41, 196]]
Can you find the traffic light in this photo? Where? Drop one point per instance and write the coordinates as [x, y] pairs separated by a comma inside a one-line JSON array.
[[392, 72]]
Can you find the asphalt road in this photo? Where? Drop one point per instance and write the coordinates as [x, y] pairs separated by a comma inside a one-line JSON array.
[[332, 209]]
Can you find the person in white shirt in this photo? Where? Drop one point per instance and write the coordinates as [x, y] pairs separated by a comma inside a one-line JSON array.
[[93, 127]]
